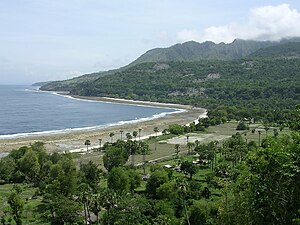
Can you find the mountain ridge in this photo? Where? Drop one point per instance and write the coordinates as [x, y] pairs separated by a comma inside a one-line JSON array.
[[208, 50], [181, 52]]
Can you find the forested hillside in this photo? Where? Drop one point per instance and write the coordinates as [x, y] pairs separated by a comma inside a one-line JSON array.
[[253, 88], [287, 51]]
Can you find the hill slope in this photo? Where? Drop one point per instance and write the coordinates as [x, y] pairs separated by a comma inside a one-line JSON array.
[[287, 51], [243, 88]]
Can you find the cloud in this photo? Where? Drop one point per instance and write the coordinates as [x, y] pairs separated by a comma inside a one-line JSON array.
[[264, 23]]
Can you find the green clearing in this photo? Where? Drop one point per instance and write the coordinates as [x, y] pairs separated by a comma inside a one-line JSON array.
[[166, 149]]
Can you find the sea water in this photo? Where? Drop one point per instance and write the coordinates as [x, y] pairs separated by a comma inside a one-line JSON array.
[[25, 111]]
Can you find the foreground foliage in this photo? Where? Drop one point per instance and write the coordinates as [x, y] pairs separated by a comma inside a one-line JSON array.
[[235, 182]]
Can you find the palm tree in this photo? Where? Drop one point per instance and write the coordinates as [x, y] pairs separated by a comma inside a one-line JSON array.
[[100, 143], [177, 150], [245, 135], [111, 136], [266, 129], [109, 199], [132, 152], [275, 133], [84, 195], [87, 143], [156, 130], [259, 133], [121, 133], [134, 134], [281, 128], [140, 130], [128, 136], [182, 187], [144, 149], [190, 145]]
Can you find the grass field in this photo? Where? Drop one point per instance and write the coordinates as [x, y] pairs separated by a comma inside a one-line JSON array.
[[165, 147]]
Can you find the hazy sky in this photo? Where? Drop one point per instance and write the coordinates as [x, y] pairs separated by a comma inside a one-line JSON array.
[[57, 39]]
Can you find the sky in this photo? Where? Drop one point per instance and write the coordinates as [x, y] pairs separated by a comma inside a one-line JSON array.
[[43, 40]]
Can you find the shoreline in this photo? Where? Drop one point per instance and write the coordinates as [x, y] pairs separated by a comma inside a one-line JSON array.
[[74, 139]]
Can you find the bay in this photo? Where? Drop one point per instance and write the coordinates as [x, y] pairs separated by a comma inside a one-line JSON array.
[[26, 111]]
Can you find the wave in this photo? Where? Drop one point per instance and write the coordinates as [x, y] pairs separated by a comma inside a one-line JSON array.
[[130, 102], [97, 127]]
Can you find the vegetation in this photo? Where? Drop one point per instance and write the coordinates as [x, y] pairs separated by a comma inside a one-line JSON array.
[[237, 181], [194, 51], [259, 89], [234, 182]]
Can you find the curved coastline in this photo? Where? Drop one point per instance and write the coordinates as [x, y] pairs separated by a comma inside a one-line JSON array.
[[72, 138], [102, 126]]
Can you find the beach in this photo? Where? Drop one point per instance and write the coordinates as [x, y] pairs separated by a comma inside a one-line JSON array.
[[74, 140]]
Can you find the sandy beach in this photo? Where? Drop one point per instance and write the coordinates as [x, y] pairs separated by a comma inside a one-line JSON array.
[[75, 139]]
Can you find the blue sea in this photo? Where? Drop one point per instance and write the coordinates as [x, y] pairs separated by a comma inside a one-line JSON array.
[[26, 111]]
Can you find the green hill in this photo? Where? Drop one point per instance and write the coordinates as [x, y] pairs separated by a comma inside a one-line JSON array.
[[287, 51], [194, 51], [243, 88]]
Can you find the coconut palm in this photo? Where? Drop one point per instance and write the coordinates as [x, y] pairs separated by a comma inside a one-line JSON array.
[[245, 135], [190, 145], [87, 143], [259, 133], [266, 129], [111, 136], [128, 136], [121, 133], [177, 149], [156, 130], [134, 134], [100, 143], [275, 131], [144, 148], [140, 130]]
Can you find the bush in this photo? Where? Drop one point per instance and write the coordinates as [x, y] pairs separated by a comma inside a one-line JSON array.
[[242, 126], [176, 129]]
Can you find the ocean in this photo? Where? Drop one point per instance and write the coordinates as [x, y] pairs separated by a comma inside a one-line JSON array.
[[26, 111]]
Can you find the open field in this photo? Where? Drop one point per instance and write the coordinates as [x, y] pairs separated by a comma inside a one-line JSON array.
[[166, 143]]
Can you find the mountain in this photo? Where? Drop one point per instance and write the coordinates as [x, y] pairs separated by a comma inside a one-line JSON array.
[[287, 50], [245, 88], [194, 51], [186, 52]]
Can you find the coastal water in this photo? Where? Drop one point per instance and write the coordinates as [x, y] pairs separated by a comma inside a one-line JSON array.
[[26, 111]]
